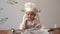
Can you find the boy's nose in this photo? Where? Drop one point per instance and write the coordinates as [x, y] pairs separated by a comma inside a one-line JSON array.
[[29, 15]]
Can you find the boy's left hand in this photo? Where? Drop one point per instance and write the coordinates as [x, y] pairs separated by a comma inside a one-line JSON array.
[[37, 26]]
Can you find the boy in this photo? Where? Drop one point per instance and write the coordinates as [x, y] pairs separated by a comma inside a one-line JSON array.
[[31, 21]]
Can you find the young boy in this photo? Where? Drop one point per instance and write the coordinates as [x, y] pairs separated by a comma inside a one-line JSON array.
[[31, 20], [30, 17]]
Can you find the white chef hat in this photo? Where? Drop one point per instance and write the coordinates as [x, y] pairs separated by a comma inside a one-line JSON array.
[[29, 6]]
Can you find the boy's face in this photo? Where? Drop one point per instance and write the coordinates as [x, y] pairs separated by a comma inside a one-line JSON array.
[[30, 15]]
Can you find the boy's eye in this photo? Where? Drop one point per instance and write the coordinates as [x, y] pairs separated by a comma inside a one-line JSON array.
[[27, 14], [32, 14]]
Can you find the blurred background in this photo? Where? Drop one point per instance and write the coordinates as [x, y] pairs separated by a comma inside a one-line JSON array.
[[11, 14]]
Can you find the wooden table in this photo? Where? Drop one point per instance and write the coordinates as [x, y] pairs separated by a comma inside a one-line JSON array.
[[54, 30]]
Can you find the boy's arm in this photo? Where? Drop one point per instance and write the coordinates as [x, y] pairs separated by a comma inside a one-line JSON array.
[[38, 25]]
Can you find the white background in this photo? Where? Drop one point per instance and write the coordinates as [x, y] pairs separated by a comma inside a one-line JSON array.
[[49, 15]]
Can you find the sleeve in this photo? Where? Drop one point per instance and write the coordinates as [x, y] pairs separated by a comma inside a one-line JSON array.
[[21, 25], [23, 22]]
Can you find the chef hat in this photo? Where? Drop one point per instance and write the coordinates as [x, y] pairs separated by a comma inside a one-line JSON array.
[[29, 6]]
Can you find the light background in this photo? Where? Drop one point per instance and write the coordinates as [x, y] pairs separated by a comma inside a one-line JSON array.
[[49, 15]]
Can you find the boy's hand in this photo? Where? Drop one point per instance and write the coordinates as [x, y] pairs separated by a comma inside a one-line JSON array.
[[25, 24], [38, 25]]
